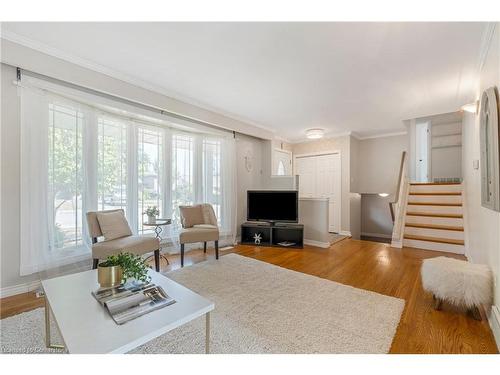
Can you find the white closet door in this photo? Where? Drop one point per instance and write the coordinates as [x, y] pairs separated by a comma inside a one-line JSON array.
[[320, 177], [306, 169], [328, 186]]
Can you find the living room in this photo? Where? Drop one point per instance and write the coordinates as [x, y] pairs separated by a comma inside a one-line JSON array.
[[250, 187]]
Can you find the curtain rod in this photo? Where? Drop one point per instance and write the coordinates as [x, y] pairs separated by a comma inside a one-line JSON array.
[[20, 71]]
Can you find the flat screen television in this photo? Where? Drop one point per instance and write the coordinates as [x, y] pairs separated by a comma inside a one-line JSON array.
[[273, 205]]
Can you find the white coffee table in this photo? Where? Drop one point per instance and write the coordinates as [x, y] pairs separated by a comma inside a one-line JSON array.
[[86, 327]]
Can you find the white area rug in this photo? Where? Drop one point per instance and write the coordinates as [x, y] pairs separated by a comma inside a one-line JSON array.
[[259, 308]]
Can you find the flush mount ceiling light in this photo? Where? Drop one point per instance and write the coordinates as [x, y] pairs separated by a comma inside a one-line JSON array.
[[315, 133], [471, 107], [383, 195]]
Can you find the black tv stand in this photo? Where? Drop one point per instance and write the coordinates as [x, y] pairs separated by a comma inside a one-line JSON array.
[[272, 234]]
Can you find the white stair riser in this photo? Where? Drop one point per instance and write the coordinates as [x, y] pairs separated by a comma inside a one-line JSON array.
[[435, 220], [434, 188], [428, 232], [435, 198], [435, 209], [436, 246]]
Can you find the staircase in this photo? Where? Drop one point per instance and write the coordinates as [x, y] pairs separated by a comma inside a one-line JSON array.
[[434, 217]]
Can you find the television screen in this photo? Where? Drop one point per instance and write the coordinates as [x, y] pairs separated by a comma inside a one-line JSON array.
[[272, 205]]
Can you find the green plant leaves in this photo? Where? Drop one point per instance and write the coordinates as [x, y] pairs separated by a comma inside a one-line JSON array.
[[133, 266]]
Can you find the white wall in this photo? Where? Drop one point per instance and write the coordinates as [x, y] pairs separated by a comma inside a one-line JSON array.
[[247, 147], [376, 215], [378, 164], [482, 224], [314, 214]]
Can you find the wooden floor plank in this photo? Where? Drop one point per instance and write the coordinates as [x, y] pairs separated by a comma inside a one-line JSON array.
[[366, 265]]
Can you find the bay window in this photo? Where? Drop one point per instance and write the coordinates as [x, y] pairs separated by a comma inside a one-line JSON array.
[[78, 157]]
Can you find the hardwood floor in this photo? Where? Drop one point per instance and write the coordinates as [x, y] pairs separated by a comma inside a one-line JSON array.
[[366, 265]]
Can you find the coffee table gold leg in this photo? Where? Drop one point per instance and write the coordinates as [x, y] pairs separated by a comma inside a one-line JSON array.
[[207, 333], [47, 328]]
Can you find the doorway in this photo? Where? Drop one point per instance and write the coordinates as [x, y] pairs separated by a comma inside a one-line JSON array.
[[422, 164]]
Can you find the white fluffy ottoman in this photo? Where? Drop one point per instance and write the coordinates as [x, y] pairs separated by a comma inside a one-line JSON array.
[[458, 282]]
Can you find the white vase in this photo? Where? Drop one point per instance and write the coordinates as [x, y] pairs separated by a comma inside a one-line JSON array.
[[151, 219]]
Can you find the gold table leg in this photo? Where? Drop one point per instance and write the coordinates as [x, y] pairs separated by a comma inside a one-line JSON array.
[[47, 328], [207, 333]]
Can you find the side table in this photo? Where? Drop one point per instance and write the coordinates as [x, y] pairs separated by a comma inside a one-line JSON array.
[[158, 224]]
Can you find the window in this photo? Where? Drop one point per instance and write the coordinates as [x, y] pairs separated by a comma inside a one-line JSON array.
[[281, 169], [65, 175], [149, 159], [111, 165], [182, 173], [76, 158], [211, 174]]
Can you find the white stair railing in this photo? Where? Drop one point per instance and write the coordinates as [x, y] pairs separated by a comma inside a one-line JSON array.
[[398, 207]]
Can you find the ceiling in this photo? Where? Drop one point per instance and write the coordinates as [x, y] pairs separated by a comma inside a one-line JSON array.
[[360, 77]]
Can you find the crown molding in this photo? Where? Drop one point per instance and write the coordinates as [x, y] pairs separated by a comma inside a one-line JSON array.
[[113, 73], [355, 135], [382, 135], [486, 40]]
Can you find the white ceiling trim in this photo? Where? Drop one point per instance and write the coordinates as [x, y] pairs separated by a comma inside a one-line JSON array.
[[486, 44], [381, 135], [55, 52]]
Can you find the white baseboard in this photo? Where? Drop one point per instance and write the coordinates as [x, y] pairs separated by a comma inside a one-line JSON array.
[[345, 233], [324, 245], [397, 244], [494, 321], [18, 289], [379, 235]]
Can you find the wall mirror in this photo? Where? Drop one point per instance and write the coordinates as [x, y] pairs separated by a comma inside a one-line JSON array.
[[490, 152]]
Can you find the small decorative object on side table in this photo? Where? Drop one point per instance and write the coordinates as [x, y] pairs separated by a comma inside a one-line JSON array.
[[158, 224], [152, 212], [257, 238]]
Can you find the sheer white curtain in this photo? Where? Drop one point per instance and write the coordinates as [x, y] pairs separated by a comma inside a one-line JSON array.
[[202, 170], [45, 243], [78, 156]]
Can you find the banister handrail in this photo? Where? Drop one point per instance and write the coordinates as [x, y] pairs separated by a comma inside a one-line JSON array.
[[400, 178]]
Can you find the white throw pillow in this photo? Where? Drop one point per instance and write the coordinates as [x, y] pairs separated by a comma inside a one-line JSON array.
[[113, 225]]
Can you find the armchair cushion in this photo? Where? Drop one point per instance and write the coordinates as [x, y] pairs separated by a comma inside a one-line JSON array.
[[113, 225], [191, 215], [132, 244], [199, 233]]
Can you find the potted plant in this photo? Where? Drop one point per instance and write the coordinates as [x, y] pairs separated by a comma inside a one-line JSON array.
[[152, 212], [121, 268]]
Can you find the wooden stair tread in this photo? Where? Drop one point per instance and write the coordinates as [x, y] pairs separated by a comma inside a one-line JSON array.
[[434, 204], [435, 226], [433, 239], [434, 183], [434, 214], [438, 193]]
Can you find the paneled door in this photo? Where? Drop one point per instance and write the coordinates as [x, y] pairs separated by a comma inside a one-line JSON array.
[[320, 177], [328, 186]]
